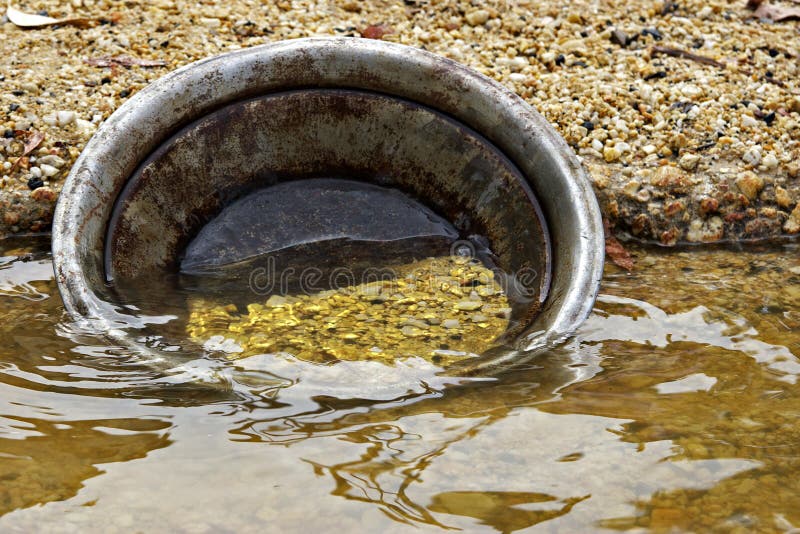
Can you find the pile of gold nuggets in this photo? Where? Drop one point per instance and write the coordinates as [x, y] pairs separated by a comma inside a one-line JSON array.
[[442, 309]]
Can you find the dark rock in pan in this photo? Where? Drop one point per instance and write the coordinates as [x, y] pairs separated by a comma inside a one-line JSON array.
[[310, 268], [289, 217]]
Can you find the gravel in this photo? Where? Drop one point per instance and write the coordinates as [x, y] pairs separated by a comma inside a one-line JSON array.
[[696, 89]]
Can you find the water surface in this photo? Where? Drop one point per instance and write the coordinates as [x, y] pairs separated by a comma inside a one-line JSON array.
[[676, 406]]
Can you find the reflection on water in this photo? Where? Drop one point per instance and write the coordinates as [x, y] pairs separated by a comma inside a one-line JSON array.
[[677, 406], [45, 461]]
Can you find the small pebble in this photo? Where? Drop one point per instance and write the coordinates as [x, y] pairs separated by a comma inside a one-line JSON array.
[[620, 38], [210, 22], [654, 33], [65, 118], [611, 154], [48, 170], [770, 161], [276, 301], [35, 183], [749, 122], [53, 160], [750, 184], [468, 305], [752, 155], [477, 17], [688, 162]]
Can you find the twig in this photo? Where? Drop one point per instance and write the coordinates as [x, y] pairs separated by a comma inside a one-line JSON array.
[[677, 52], [124, 61]]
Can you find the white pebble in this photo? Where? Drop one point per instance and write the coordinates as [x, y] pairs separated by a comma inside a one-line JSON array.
[[48, 170], [84, 126], [451, 323], [770, 161], [53, 160], [752, 155], [65, 117], [210, 22], [518, 63], [749, 122], [705, 13], [36, 172], [690, 90]]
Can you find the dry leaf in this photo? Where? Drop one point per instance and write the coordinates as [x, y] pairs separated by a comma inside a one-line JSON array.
[[615, 251], [35, 139], [764, 10], [26, 20], [375, 31], [124, 61]]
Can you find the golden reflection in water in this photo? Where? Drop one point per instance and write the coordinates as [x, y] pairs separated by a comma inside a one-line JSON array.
[[502, 510], [52, 460], [677, 407]]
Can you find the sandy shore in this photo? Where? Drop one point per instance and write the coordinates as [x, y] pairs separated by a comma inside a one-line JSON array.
[[686, 113]]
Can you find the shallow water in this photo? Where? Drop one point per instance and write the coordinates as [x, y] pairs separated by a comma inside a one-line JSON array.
[[676, 406]]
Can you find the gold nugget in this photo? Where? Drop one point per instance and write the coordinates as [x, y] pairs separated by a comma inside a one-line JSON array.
[[442, 309]]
